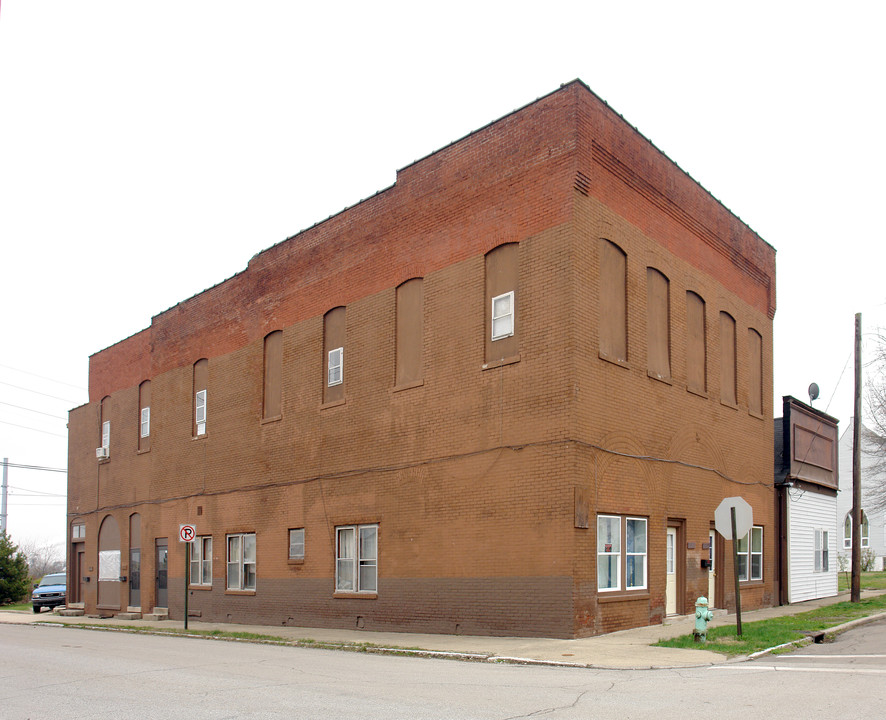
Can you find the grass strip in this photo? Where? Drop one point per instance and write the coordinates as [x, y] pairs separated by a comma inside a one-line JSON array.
[[763, 634]]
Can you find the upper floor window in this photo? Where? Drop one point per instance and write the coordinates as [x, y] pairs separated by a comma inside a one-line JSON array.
[[503, 316], [502, 270], [696, 344], [658, 324], [613, 301], [104, 449], [334, 329], [78, 531], [144, 415], [410, 331], [272, 390], [727, 359], [201, 380]]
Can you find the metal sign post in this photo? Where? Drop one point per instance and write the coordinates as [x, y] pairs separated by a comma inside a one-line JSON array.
[[187, 534], [734, 519], [735, 573]]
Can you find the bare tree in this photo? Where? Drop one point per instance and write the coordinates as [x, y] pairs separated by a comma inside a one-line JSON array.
[[873, 432], [42, 558]]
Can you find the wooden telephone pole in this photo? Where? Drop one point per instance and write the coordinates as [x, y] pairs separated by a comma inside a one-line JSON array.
[[855, 595]]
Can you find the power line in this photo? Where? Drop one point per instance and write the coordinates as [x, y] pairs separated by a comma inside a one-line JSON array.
[[37, 392], [25, 427], [43, 377], [36, 467], [39, 412], [35, 492]]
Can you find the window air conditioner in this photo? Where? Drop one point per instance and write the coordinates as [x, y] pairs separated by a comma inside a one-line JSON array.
[[101, 452]]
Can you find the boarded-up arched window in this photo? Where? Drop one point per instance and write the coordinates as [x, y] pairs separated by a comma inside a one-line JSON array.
[[109, 564], [727, 359], [272, 392], [755, 372], [410, 331], [144, 416], [502, 275], [334, 355], [658, 324], [201, 380], [696, 344], [613, 301]]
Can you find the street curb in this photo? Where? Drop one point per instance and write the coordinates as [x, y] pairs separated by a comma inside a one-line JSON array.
[[829, 634]]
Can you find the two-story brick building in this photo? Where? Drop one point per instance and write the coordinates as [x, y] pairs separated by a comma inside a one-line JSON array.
[[502, 396]]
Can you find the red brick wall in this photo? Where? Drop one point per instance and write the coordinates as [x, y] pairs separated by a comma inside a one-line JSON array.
[[471, 475]]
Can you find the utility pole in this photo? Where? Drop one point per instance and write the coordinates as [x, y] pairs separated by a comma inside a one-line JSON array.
[[855, 595], [3, 495]]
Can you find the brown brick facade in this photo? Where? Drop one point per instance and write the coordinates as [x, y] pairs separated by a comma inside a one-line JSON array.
[[485, 476]]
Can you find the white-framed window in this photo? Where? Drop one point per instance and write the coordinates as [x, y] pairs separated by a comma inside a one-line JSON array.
[[503, 316], [617, 570], [608, 553], [356, 558], [865, 530], [297, 544], [335, 367], [78, 531], [200, 411], [822, 540], [241, 561], [106, 434], [201, 560], [751, 555], [145, 422]]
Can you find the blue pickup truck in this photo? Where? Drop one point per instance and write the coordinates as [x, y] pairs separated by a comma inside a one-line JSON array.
[[49, 592]]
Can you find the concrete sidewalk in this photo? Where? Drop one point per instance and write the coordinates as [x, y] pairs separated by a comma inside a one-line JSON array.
[[627, 649]]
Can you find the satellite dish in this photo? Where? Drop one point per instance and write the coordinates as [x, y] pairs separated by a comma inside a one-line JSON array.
[[813, 392]]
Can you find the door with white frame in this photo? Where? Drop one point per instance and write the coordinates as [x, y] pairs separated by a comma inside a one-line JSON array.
[[671, 581], [712, 568]]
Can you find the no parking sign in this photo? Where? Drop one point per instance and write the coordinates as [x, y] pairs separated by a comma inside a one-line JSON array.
[[187, 533]]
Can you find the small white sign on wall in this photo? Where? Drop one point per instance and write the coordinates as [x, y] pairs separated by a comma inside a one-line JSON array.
[[109, 565]]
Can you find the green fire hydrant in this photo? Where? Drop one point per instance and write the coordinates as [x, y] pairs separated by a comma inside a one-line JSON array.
[[702, 617]]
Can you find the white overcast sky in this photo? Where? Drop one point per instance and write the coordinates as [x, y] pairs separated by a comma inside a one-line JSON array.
[[149, 149]]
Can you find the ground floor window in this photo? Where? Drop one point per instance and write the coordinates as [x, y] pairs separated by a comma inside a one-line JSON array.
[[297, 544], [241, 561], [750, 555], [821, 550], [356, 558], [201, 560], [617, 569], [865, 530]]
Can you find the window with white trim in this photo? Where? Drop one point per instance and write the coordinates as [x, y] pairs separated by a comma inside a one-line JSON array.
[[145, 422], [503, 315], [78, 531], [106, 434], [822, 539], [335, 371], [865, 530], [241, 561], [297, 544], [617, 570], [200, 411], [356, 558], [201, 560], [751, 555]]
